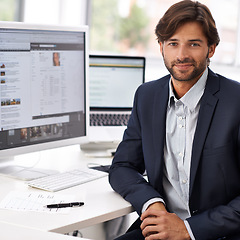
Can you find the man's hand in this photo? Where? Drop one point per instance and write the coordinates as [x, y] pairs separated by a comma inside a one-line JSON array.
[[160, 224]]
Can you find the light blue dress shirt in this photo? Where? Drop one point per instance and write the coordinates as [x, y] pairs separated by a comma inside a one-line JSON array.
[[181, 121]]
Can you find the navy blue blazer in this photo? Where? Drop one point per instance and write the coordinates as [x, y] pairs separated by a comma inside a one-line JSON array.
[[214, 199]]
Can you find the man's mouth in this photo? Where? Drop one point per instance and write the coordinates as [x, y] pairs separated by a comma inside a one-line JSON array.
[[183, 66]]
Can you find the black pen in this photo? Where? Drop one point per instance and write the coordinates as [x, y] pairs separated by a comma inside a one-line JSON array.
[[64, 205]]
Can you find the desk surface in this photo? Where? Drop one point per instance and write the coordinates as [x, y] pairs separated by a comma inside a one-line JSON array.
[[101, 202], [13, 232]]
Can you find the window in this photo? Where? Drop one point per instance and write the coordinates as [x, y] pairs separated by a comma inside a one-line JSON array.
[[226, 15], [10, 10], [127, 27], [64, 12]]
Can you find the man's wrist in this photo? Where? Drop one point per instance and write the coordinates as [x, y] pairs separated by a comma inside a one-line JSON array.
[[151, 201], [190, 233], [158, 206]]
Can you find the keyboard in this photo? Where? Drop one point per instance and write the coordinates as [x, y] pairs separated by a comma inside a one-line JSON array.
[[98, 119], [60, 181]]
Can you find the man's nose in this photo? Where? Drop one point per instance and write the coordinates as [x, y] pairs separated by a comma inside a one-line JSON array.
[[182, 53]]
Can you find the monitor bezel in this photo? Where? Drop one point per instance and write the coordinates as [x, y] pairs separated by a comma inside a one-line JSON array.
[[11, 152]]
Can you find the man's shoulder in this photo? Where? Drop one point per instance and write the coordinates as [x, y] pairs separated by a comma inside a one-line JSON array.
[[158, 82], [224, 80], [219, 82], [150, 89]]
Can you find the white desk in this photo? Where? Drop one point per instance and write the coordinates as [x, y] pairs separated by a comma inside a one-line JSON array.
[[101, 202], [13, 232]]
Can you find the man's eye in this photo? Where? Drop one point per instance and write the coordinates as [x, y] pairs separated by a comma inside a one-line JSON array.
[[173, 44], [195, 45]]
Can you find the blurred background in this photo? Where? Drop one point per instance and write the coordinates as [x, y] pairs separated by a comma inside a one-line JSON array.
[[126, 27]]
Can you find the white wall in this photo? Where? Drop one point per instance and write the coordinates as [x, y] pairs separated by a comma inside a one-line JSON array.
[[63, 12]]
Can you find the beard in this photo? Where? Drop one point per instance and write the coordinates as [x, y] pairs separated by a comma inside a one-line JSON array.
[[182, 75]]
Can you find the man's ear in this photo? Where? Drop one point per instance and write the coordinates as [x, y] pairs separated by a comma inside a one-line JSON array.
[[161, 47], [211, 50]]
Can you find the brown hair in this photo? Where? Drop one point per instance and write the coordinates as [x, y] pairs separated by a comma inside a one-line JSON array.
[[187, 11]]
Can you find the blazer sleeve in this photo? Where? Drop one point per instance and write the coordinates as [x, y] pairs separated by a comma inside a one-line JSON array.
[[126, 172]]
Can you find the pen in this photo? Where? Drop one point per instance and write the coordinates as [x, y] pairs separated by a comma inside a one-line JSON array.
[[64, 205]]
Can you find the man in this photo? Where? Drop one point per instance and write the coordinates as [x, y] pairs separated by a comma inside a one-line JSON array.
[[184, 132], [56, 59]]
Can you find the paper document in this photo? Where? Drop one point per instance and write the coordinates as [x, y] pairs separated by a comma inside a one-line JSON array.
[[34, 201]]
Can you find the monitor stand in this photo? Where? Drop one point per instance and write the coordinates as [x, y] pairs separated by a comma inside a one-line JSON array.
[[25, 173], [10, 167]]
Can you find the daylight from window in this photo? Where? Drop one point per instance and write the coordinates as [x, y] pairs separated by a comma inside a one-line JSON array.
[[127, 26], [8, 10]]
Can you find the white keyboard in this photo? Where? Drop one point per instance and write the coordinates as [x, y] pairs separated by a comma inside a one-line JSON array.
[[60, 181]]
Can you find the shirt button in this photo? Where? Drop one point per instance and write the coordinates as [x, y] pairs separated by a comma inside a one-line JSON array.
[[180, 154], [184, 181], [180, 126], [180, 118]]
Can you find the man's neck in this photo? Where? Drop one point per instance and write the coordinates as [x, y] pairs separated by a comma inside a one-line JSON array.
[[180, 88]]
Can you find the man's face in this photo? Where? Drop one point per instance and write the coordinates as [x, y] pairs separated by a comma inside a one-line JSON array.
[[186, 53], [55, 57]]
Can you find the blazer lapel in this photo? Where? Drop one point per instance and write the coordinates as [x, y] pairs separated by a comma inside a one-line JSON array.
[[208, 105]]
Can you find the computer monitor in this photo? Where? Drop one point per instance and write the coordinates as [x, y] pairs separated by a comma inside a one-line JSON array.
[[43, 81]]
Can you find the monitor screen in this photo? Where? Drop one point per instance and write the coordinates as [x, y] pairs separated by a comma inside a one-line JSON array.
[[43, 87], [113, 80]]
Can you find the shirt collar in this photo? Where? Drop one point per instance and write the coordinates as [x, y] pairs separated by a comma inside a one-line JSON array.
[[193, 96]]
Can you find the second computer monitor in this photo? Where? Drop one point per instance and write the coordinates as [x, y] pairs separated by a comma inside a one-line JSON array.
[[113, 81]]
